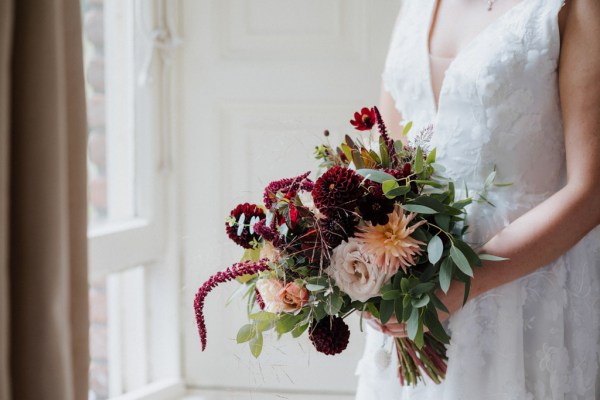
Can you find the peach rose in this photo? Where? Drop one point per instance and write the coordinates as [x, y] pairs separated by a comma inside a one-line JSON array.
[[293, 296]]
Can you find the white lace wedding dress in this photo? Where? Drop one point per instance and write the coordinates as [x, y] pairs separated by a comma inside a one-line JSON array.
[[538, 337]]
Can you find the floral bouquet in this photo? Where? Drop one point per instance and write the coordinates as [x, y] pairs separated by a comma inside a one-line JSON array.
[[379, 231]]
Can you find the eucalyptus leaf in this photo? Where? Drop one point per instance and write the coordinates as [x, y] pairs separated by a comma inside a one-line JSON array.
[[256, 345], [413, 324], [375, 175], [389, 185], [397, 192], [286, 323], [443, 221], [461, 261], [435, 248], [418, 209], [422, 302], [314, 288], [468, 252], [299, 330], [246, 333], [446, 274], [263, 316], [489, 257], [333, 304], [421, 288]]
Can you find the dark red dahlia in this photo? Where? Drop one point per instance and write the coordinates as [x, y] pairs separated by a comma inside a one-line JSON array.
[[337, 190], [335, 229], [238, 227], [330, 335], [375, 207], [364, 120], [288, 186]]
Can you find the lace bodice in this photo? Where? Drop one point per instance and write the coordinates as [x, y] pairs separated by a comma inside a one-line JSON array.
[[499, 106]]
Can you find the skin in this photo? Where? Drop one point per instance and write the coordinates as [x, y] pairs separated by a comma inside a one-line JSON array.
[[550, 229]]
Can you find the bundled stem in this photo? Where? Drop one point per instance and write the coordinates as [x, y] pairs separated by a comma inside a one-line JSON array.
[[431, 360]]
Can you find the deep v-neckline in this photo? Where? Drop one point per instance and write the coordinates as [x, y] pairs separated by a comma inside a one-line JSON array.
[[434, 5]]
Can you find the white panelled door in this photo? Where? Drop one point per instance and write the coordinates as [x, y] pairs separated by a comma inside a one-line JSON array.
[[260, 81]]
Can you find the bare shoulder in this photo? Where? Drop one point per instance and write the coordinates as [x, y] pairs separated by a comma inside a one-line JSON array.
[[585, 13]]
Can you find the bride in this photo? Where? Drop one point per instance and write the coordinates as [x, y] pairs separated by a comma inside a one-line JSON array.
[[515, 85]]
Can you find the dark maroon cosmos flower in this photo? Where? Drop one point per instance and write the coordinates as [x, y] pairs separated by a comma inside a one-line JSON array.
[[335, 229], [330, 335], [244, 238], [364, 120], [375, 207]]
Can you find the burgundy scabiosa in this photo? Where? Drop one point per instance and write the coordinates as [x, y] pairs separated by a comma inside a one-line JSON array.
[[364, 120], [330, 335], [240, 224], [337, 191], [287, 186], [235, 271]]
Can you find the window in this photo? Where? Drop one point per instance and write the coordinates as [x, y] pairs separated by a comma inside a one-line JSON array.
[[134, 288]]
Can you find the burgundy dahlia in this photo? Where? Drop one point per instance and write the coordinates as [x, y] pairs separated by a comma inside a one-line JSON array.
[[330, 335], [235, 271], [288, 186], [242, 235], [364, 120], [337, 190]]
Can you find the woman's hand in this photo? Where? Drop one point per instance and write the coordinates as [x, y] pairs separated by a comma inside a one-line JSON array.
[[391, 328]]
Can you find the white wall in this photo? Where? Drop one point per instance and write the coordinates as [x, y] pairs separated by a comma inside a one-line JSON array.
[[259, 82]]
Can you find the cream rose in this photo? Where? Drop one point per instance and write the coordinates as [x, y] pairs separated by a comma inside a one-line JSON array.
[[269, 290], [293, 296], [270, 252], [355, 273]]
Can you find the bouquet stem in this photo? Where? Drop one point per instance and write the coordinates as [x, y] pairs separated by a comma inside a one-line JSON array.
[[414, 362]]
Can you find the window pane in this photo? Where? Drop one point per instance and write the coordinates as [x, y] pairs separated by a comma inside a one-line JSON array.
[[109, 51]]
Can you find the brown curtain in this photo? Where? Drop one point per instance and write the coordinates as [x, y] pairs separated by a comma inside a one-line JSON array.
[[43, 254]]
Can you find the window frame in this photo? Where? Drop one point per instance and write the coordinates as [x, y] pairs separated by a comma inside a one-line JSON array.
[[150, 238]]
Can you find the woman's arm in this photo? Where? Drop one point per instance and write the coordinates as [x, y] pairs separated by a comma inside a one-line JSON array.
[[550, 229]]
